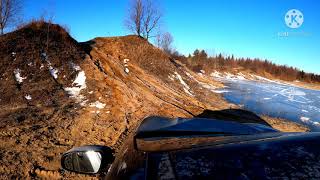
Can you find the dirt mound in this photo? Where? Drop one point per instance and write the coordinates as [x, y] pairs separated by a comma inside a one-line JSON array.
[[57, 93], [37, 61]]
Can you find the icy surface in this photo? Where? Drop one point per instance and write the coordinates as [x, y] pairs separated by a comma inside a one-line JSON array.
[[275, 99]]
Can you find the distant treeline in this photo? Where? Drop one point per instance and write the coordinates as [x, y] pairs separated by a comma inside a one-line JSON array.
[[200, 60]]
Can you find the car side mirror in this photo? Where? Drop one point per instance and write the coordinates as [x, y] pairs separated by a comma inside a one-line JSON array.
[[87, 159]]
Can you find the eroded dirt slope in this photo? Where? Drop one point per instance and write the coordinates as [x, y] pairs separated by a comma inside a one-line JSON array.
[[57, 93]]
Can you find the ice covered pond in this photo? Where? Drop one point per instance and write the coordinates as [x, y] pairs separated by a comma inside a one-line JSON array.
[[276, 100]]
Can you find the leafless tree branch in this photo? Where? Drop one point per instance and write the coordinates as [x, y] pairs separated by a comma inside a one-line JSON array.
[[144, 17], [9, 13]]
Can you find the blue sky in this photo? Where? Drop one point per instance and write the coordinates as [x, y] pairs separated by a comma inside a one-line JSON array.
[[245, 28]]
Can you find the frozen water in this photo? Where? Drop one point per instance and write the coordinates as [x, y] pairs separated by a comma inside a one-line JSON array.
[[276, 100]]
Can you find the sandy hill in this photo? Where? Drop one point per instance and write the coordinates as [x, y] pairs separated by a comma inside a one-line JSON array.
[[57, 93]]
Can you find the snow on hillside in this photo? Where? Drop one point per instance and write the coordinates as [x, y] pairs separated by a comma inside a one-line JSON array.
[[79, 84], [53, 72], [240, 76], [186, 87], [18, 77], [98, 105], [208, 86]]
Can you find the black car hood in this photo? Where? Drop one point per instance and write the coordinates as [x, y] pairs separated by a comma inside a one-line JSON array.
[[291, 155], [200, 125]]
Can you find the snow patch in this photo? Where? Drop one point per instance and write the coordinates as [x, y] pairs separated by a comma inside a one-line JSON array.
[[208, 86], [122, 167], [241, 76], [125, 61], [308, 121], [76, 67], [316, 123], [204, 85], [80, 79], [126, 70], [53, 72], [17, 75], [171, 77], [28, 97], [13, 54], [80, 84], [264, 79], [305, 119], [98, 105], [220, 91], [266, 98], [186, 88], [216, 74], [189, 75]]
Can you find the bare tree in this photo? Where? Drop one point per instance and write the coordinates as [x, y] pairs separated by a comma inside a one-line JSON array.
[[151, 19], [9, 13], [135, 18], [165, 41], [144, 18]]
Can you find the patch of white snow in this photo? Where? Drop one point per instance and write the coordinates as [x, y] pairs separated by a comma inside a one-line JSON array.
[[186, 88], [80, 84], [305, 119], [126, 70], [216, 74], [28, 97], [53, 72], [75, 67], [98, 105], [17, 75]]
